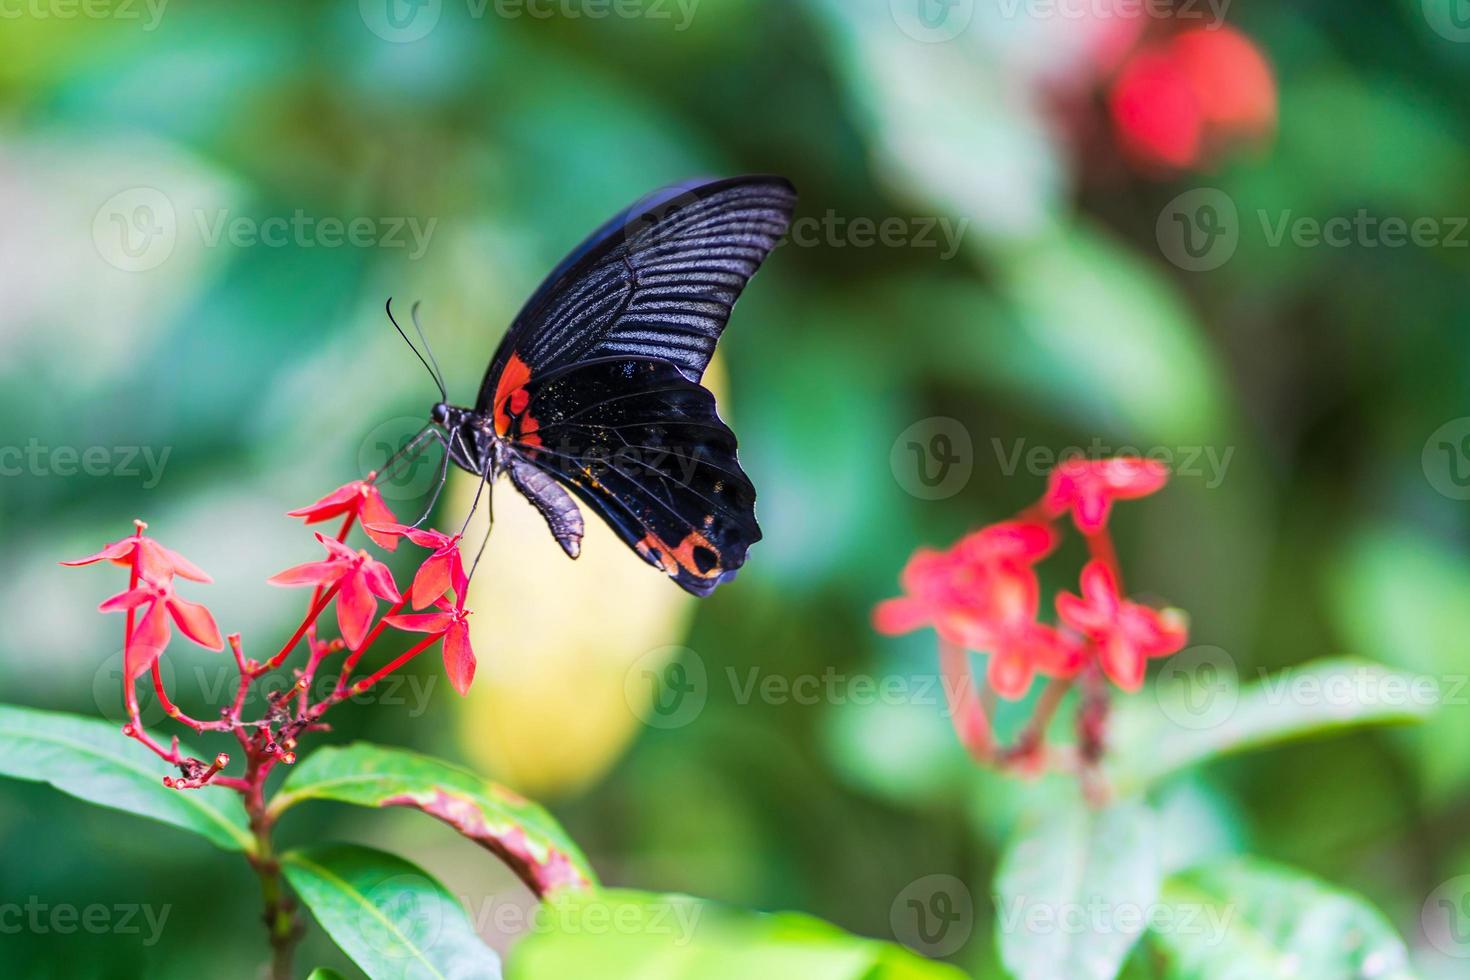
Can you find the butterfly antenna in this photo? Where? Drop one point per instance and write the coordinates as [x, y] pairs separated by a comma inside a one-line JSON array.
[[439, 382], [413, 314]]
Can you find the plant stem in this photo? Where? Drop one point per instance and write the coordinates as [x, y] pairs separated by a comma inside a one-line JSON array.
[[279, 910]]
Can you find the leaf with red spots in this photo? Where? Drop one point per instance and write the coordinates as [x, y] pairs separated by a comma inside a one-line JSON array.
[[519, 832]]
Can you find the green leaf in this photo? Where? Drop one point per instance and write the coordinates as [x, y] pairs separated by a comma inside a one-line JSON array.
[[1070, 890], [387, 914], [94, 761], [673, 937], [519, 832], [325, 973], [1398, 595], [1119, 342], [1197, 713], [1246, 919]]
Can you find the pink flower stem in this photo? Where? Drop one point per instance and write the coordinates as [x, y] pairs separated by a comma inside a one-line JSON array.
[[965, 711], [1100, 546], [356, 655], [1032, 739], [176, 713], [130, 693], [310, 620], [393, 665]]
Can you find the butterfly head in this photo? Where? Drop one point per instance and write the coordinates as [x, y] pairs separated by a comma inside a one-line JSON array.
[[439, 414]]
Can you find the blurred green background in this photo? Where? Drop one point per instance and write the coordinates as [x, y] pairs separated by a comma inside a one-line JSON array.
[[159, 292]]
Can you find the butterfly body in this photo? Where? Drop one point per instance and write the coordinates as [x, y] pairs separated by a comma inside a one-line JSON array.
[[595, 393]]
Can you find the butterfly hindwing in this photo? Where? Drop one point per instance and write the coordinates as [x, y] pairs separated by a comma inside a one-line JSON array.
[[658, 280], [643, 446]]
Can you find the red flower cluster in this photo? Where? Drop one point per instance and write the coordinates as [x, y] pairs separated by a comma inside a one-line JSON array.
[[357, 581], [982, 594], [1181, 102]]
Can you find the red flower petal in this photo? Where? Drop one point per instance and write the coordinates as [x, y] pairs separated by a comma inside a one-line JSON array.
[[355, 609], [421, 622], [196, 622], [148, 641], [160, 563], [112, 552], [431, 581], [311, 573], [130, 599], [1100, 587], [459, 658], [374, 512], [1009, 673], [339, 501], [1122, 662], [901, 615], [379, 580], [336, 549]]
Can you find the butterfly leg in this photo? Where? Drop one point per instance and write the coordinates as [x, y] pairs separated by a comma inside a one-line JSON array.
[[484, 479], [438, 486]]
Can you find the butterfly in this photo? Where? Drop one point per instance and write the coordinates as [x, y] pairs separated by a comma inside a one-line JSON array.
[[594, 394]]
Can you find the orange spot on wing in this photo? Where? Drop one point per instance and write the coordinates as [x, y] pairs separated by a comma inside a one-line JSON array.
[[511, 384], [670, 559]]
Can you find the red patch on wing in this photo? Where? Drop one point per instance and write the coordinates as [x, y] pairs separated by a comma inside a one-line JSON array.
[[670, 558], [510, 390]]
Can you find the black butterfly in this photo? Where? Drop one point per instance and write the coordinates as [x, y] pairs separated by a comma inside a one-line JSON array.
[[595, 388]]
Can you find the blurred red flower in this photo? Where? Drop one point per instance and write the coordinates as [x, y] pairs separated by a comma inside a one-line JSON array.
[[1125, 633], [1182, 102], [1088, 487]]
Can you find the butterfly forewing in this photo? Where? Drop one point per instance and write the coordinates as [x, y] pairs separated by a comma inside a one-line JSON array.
[[658, 281], [597, 381]]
